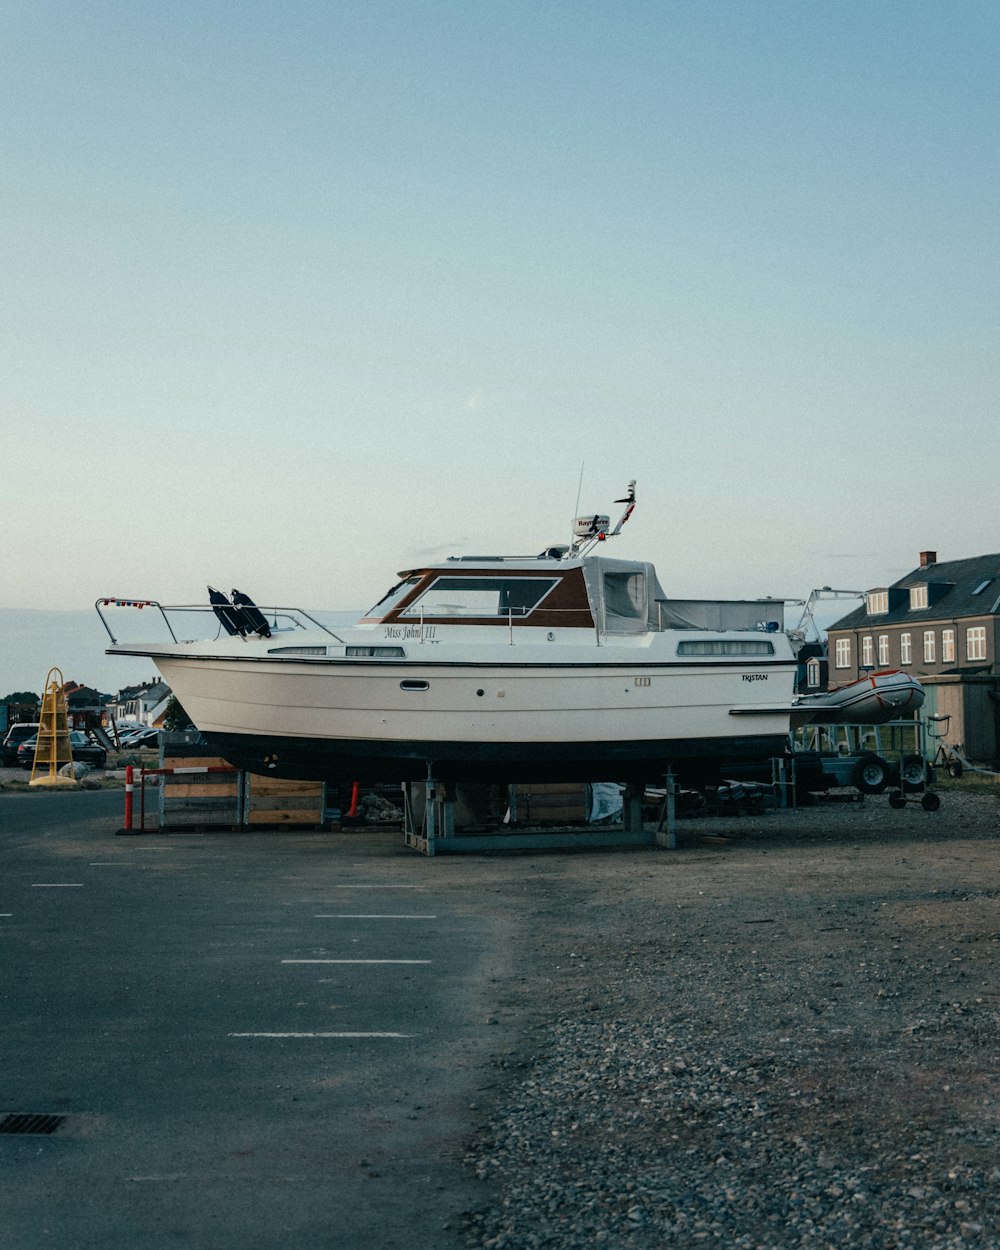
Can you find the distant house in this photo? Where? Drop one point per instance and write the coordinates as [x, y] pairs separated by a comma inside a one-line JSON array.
[[942, 623], [84, 705], [145, 704]]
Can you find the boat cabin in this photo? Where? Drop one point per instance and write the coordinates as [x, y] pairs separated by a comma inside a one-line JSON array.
[[614, 596]]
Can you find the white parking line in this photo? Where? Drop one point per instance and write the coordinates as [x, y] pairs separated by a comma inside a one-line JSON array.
[[355, 961], [344, 1035], [367, 916], [57, 885], [378, 887]]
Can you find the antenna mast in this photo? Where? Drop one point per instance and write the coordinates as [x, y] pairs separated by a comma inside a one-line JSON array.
[[588, 530]]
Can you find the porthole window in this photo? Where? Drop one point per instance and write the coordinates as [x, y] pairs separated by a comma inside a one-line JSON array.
[[413, 685]]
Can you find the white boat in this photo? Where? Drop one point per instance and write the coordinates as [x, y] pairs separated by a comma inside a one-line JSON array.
[[560, 666]]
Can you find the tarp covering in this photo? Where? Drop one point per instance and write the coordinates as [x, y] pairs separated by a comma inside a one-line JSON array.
[[605, 801], [725, 613], [623, 595], [626, 598]]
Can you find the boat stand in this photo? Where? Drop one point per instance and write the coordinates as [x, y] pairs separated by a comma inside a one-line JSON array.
[[429, 825]]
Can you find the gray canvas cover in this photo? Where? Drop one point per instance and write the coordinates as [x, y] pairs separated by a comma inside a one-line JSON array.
[[626, 598], [624, 595]]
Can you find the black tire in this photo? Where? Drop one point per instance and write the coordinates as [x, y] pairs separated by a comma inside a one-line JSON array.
[[896, 800], [955, 769], [913, 772], [930, 801], [870, 774]]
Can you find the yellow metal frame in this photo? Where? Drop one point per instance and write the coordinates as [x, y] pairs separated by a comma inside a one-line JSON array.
[[52, 746]]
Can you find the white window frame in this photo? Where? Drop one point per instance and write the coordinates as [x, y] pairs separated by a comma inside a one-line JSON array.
[[883, 649], [814, 672], [947, 646], [905, 648], [930, 641], [878, 602], [918, 597], [975, 642], [842, 653], [867, 651]]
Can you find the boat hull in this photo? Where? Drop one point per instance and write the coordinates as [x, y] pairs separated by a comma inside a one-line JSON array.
[[385, 762], [382, 723]]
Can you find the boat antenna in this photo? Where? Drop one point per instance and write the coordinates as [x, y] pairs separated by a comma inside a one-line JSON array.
[[579, 492], [591, 530]]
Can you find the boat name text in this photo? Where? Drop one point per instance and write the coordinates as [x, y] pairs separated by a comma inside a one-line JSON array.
[[755, 676], [410, 631]]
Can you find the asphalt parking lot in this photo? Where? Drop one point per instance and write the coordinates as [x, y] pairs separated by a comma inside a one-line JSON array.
[[255, 1040]]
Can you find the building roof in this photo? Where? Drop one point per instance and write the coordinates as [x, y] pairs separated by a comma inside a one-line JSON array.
[[959, 588]]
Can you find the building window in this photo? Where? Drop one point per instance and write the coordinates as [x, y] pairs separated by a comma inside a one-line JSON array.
[[878, 601], [842, 653], [929, 638], [918, 597], [905, 649], [975, 642], [867, 651], [947, 646], [982, 586], [813, 673], [883, 648]]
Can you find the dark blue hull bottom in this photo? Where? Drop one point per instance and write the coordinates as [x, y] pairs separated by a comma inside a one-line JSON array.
[[311, 759]]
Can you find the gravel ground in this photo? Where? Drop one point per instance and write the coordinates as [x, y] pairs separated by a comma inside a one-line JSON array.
[[784, 1034]]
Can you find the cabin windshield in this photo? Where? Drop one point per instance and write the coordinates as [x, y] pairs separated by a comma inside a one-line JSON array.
[[390, 599], [481, 596]]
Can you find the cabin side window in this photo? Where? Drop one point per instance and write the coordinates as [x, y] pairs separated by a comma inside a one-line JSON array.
[[725, 646]]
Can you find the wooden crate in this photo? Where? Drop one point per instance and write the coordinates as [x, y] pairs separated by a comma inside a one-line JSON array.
[[551, 803], [197, 800], [273, 801]]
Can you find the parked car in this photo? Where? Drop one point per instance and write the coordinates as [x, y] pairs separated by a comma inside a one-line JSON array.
[[15, 736], [143, 738], [84, 751]]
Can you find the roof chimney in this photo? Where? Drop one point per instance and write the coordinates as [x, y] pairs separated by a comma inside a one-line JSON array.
[[927, 558]]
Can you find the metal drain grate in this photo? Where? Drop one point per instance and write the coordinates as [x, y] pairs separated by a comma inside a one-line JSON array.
[[34, 1123]]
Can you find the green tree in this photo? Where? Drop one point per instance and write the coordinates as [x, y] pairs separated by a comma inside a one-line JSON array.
[[21, 696], [175, 717]]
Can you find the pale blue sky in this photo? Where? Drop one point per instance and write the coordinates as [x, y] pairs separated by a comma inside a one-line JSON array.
[[295, 293]]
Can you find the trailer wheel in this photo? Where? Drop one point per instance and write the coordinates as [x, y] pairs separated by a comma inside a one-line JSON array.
[[896, 800], [870, 774], [913, 772], [955, 769], [930, 801]]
